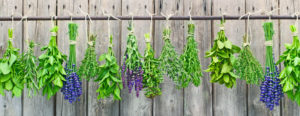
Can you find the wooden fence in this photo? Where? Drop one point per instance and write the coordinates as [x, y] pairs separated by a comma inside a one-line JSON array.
[[206, 100]]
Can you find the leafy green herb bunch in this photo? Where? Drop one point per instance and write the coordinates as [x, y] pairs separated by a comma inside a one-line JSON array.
[[247, 67], [132, 65], [171, 63], [290, 75], [152, 74], [51, 68], [191, 62], [89, 65], [11, 69], [222, 54], [110, 82], [72, 86]]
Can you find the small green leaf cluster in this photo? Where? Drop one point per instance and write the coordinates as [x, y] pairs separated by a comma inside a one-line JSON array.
[[247, 67], [222, 54], [191, 62], [30, 69], [11, 69], [109, 79], [152, 74], [51, 68], [290, 75], [89, 65], [171, 63]]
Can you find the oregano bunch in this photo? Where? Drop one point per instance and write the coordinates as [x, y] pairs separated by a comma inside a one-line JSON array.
[[89, 65], [72, 86], [152, 74], [247, 67], [171, 63], [222, 54], [30, 69], [109, 79], [51, 68], [191, 62], [132, 65], [11, 69], [290, 75]]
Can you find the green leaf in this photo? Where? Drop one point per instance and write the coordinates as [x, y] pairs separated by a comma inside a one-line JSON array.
[[51, 60], [117, 93], [226, 68], [12, 59], [4, 68], [220, 45], [17, 92], [296, 61], [102, 57], [8, 85], [228, 44], [58, 82]]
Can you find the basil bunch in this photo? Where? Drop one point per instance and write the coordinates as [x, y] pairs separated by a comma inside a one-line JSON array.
[[221, 67], [109, 80], [11, 69], [152, 75], [88, 68], [247, 66], [30, 69], [51, 70], [191, 62], [290, 75], [132, 65], [171, 63]]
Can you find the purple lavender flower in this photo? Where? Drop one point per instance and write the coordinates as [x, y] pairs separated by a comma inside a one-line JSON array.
[[72, 87]]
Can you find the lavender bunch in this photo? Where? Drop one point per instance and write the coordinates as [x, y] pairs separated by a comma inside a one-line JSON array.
[[271, 90], [72, 87], [132, 66]]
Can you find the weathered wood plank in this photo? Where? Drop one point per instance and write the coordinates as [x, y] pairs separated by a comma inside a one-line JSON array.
[[230, 102], [288, 7], [198, 100], [170, 103], [63, 107], [39, 32], [104, 107], [10, 106], [255, 106], [130, 104]]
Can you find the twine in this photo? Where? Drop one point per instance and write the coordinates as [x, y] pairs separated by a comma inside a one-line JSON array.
[[72, 42], [269, 43]]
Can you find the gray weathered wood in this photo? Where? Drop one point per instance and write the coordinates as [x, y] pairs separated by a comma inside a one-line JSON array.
[[255, 106], [130, 104], [226, 101], [39, 32], [288, 7], [67, 8], [198, 100], [10, 106], [171, 100], [104, 107]]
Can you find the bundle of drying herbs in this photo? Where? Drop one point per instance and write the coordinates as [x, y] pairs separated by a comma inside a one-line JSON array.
[[72, 86], [222, 55], [171, 63], [109, 79], [271, 90], [152, 74], [247, 67], [89, 66], [51, 70], [132, 65], [289, 76], [191, 62], [11, 69], [30, 69]]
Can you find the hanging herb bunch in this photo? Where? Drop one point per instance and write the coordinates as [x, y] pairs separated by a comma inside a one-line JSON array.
[[247, 66], [289, 76], [51, 68], [271, 90], [191, 62], [152, 74], [132, 65], [30, 69], [88, 68], [222, 54], [109, 79], [171, 63], [72, 86], [11, 69]]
